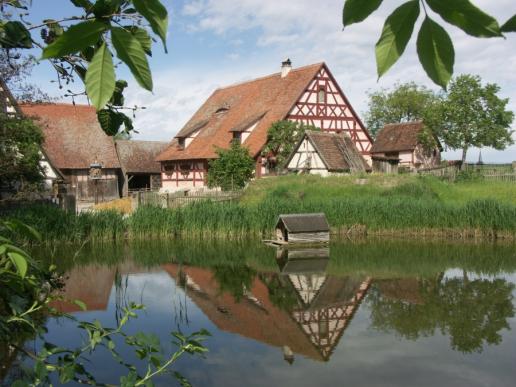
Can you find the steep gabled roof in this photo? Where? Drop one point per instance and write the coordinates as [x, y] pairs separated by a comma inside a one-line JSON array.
[[271, 98], [139, 156], [304, 222], [398, 137], [337, 151], [73, 136]]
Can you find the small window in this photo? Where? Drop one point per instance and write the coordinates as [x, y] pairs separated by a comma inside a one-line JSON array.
[[321, 95], [237, 137], [181, 142]]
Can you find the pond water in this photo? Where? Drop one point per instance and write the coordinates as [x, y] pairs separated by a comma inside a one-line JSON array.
[[366, 313]]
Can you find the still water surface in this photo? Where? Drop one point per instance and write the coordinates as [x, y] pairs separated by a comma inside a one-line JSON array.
[[371, 313]]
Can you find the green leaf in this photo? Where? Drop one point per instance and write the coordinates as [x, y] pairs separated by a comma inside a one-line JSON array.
[[100, 77], [130, 51], [435, 51], [105, 8], [20, 262], [143, 37], [157, 16], [13, 34], [467, 17], [82, 4], [110, 121], [80, 304], [510, 25], [75, 38], [357, 10], [396, 33]]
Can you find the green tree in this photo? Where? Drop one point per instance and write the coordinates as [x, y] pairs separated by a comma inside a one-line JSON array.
[[282, 137], [472, 312], [473, 115], [403, 103], [84, 44], [16, 70], [233, 168], [434, 45], [20, 152]]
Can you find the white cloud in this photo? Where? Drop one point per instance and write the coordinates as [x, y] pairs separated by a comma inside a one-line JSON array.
[[308, 32]]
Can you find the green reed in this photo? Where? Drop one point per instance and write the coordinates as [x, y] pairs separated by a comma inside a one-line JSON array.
[[238, 220]]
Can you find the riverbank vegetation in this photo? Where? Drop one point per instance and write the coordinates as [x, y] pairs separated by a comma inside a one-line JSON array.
[[368, 205]]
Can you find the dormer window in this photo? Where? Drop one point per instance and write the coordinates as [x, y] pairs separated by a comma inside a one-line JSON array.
[[222, 110], [181, 142], [321, 95]]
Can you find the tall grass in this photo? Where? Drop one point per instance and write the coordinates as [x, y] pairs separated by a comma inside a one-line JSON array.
[[396, 206]]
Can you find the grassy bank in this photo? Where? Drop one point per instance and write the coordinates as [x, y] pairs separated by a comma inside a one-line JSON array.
[[377, 205]]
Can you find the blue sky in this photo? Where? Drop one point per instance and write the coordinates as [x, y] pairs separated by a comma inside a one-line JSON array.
[[213, 43]]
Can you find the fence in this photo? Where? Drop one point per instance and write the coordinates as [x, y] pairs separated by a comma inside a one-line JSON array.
[[178, 199], [490, 172], [445, 173]]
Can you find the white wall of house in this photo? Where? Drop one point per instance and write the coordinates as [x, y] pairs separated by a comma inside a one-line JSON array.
[[418, 158], [307, 159], [181, 175]]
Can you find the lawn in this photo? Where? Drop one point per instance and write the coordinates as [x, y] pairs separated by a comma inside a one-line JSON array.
[[312, 187]]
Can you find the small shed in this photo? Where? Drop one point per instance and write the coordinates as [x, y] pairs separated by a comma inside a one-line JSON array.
[[303, 228], [385, 164]]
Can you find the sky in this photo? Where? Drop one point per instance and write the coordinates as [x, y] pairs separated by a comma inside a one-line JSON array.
[[214, 43]]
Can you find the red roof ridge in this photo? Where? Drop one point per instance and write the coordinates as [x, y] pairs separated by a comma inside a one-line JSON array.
[[269, 76], [45, 103]]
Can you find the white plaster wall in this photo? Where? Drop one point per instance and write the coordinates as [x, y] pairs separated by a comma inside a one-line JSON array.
[[306, 157], [405, 157]]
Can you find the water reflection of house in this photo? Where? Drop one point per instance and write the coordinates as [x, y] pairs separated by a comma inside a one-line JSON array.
[[311, 328], [92, 284]]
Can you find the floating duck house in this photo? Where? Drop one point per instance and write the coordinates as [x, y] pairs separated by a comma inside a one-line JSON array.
[[303, 228]]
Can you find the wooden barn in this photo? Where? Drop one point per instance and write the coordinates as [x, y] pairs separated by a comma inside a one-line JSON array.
[[140, 169], [326, 153], [303, 228], [73, 142], [244, 112], [385, 164], [401, 141]]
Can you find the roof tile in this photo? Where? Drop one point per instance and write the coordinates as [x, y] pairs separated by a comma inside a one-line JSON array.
[[73, 136]]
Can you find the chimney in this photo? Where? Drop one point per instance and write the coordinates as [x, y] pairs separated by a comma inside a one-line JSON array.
[[286, 66]]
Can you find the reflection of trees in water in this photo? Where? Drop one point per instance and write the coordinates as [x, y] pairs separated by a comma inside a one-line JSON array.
[[472, 312], [234, 280], [281, 292]]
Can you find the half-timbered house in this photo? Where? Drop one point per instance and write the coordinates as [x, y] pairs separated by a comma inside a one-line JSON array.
[[244, 112], [401, 141]]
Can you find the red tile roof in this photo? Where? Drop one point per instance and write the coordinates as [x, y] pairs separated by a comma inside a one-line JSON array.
[[397, 137], [233, 106], [73, 136]]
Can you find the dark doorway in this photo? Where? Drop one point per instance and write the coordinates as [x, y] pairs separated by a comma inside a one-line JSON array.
[[138, 182]]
